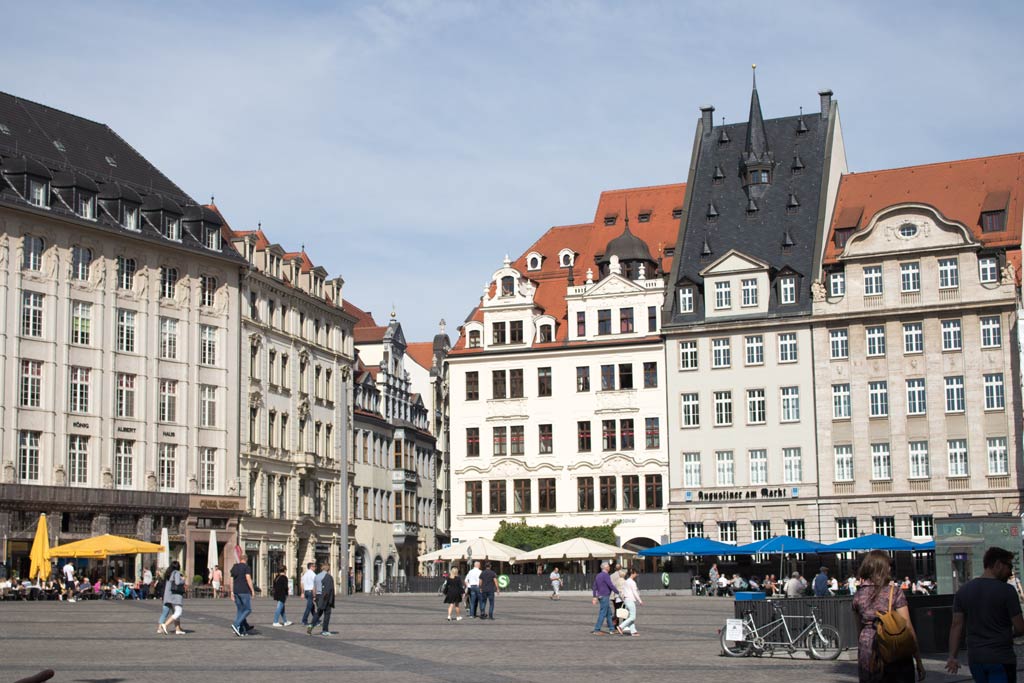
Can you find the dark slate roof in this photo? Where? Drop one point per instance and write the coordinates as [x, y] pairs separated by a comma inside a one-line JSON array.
[[628, 247], [761, 233]]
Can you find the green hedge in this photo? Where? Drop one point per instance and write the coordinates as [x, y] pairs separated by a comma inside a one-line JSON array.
[[525, 537]]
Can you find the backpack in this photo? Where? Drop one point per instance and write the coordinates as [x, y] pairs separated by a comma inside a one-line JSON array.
[[893, 640]]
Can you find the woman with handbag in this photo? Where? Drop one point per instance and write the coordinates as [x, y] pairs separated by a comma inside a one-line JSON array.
[[174, 593], [887, 650], [453, 594], [631, 598]]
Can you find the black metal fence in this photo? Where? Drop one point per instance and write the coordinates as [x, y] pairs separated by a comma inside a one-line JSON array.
[[521, 583]]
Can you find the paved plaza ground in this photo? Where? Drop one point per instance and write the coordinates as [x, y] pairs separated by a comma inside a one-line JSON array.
[[393, 638]]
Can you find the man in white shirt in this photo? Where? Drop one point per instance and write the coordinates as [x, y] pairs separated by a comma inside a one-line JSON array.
[[308, 582], [473, 584], [69, 580], [556, 583], [147, 582]]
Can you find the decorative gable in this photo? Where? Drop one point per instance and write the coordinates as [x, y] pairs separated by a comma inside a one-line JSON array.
[[907, 227], [734, 262]]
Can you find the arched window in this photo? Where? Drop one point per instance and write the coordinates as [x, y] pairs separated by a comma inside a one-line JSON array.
[[474, 339], [546, 333], [508, 286], [32, 258], [81, 259]]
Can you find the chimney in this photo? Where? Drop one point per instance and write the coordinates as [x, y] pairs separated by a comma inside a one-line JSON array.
[[707, 118], [826, 102]]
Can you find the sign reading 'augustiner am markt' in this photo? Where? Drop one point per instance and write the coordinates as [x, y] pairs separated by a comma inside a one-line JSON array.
[[741, 494]]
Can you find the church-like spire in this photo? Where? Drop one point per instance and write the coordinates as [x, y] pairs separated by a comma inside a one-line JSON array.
[[756, 148]]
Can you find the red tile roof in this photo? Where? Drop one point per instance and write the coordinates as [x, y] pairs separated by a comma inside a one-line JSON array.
[[363, 318], [957, 189], [422, 353], [363, 335]]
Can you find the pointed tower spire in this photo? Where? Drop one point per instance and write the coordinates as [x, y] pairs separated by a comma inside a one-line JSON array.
[[756, 147]]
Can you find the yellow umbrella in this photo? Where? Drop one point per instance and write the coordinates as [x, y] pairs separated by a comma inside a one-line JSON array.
[[40, 553], [101, 547]]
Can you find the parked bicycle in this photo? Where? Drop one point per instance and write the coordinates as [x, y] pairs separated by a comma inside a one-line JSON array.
[[821, 641]]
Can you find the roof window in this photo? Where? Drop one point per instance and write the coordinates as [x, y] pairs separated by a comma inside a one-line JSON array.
[[993, 211], [533, 261], [111, 161], [677, 213], [644, 217], [610, 219], [841, 236], [670, 251], [59, 145], [4, 129]]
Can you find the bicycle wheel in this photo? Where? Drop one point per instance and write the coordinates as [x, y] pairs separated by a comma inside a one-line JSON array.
[[825, 643], [737, 648]]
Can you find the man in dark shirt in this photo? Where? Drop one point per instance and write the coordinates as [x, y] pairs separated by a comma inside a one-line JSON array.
[[488, 587], [241, 587], [821, 583], [324, 602], [991, 611]]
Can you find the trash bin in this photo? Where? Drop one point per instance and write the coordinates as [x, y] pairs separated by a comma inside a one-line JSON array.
[[746, 596]]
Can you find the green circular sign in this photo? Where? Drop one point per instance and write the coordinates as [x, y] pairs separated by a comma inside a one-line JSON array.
[[503, 581], [664, 579]]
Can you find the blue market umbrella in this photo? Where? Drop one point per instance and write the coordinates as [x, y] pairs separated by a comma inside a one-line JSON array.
[[690, 546], [872, 542], [779, 545], [927, 545]]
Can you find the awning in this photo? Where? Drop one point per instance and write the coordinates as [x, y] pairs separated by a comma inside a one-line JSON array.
[[779, 545], [871, 542], [574, 549], [690, 546], [477, 549]]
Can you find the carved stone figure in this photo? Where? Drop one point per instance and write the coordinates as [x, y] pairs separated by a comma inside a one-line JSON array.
[[817, 291], [59, 476], [3, 251], [108, 478], [97, 274], [150, 481], [8, 472], [1009, 274], [590, 276]]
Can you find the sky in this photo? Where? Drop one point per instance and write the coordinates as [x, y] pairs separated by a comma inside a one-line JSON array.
[[410, 145]]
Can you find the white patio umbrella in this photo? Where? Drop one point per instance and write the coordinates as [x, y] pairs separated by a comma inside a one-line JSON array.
[[163, 558], [573, 549], [477, 549], [211, 554]]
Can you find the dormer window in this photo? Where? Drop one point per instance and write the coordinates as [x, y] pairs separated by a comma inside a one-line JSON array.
[[686, 299], [993, 211], [131, 218], [211, 238], [474, 339], [993, 221], [87, 206], [546, 333], [610, 220], [677, 213], [508, 286], [172, 228], [759, 177], [644, 217], [533, 261], [38, 192], [787, 290], [841, 236], [566, 258]]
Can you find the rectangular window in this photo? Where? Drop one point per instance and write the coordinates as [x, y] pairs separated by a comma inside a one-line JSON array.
[[472, 442], [625, 320], [30, 395], [78, 459], [994, 397], [755, 349], [690, 410], [688, 355], [515, 383], [792, 466], [81, 259], [758, 466], [878, 399], [952, 337], [654, 497], [839, 344], [993, 221], [125, 330], [207, 470], [583, 439], [876, 340], [608, 436], [521, 490], [988, 269], [582, 379], [517, 440], [31, 314], [167, 467], [607, 378], [998, 461], [756, 413], [886, 526], [81, 323], [727, 532], [546, 439], [604, 321], [581, 324], [790, 404], [724, 468], [498, 490], [652, 318], [923, 526], [543, 381], [626, 436], [208, 291], [650, 375], [168, 338], [168, 409], [949, 273], [125, 398], [881, 462], [837, 284], [207, 345], [625, 376], [723, 408], [991, 332], [721, 356], [168, 282], [126, 268], [913, 338], [723, 295], [787, 290], [787, 347], [498, 387], [691, 470], [28, 455], [631, 492], [124, 456], [473, 386], [920, 468], [846, 527], [207, 405], [515, 332], [499, 332], [955, 394], [652, 433], [749, 288], [910, 277], [761, 530], [796, 528], [546, 498], [32, 258], [840, 401], [500, 441], [585, 494], [474, 498], [79, 390], [873, 281], [956, 449], [686, 299], [916, 396], [609, 493], [844, 462]]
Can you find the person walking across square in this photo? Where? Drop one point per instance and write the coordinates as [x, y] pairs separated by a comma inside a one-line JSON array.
[[556, 583], [324, 588], [631, 598], [307, 580], [602, 591], [241, 587], [472, 582], [488, 589], [280, 593]]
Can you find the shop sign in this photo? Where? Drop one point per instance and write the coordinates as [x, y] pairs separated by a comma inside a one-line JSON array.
[[741, 494], [197, 502]]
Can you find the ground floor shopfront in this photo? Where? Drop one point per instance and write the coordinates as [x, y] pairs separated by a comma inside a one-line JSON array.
[[275, 543], [75, 513]]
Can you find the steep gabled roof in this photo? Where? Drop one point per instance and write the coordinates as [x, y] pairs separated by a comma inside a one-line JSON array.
[[422, 353]]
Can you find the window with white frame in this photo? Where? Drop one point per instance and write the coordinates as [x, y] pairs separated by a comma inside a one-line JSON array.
[[688, 355], [988, 269], [691, 470], [881, 462], [723, 295], [998, 461], [38, 193], [168, 282], [846, 527], [81, 323], [78, 459], [28, 455], [797, 528], [916, 396], [991, 332], [792, 466], [32, 252], [125, 330], [721, 353], [910, 277], [749, 288], [885, 525], [840, 401], [168, 404], [172, 228], [872, 280], [207, 345], [207, 406], [875, 335], [167, 467], [839, 344], [723, 408], [787, 290], [124, 399], [207, 290], [724, 468], [955, 394], [878, 399], [686, 299], [31, 392], [124, 456], [837, 284], [844, 462], [81, 260], [920, 468], [952, 337], [727, 532], [690, 410], [956, 449], [949, 273], [31, 314], [758, 466], [923, 526], [790, 404], [168, 338], [761, 529], [755, 349], [78, 390], [755, 406], [131, 218], [913, 338], [695, 529], [207, 470], [126, 268], [787, 347], [994, 398]]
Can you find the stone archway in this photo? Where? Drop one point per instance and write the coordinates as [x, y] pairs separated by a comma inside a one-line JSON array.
[[644, 564]]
